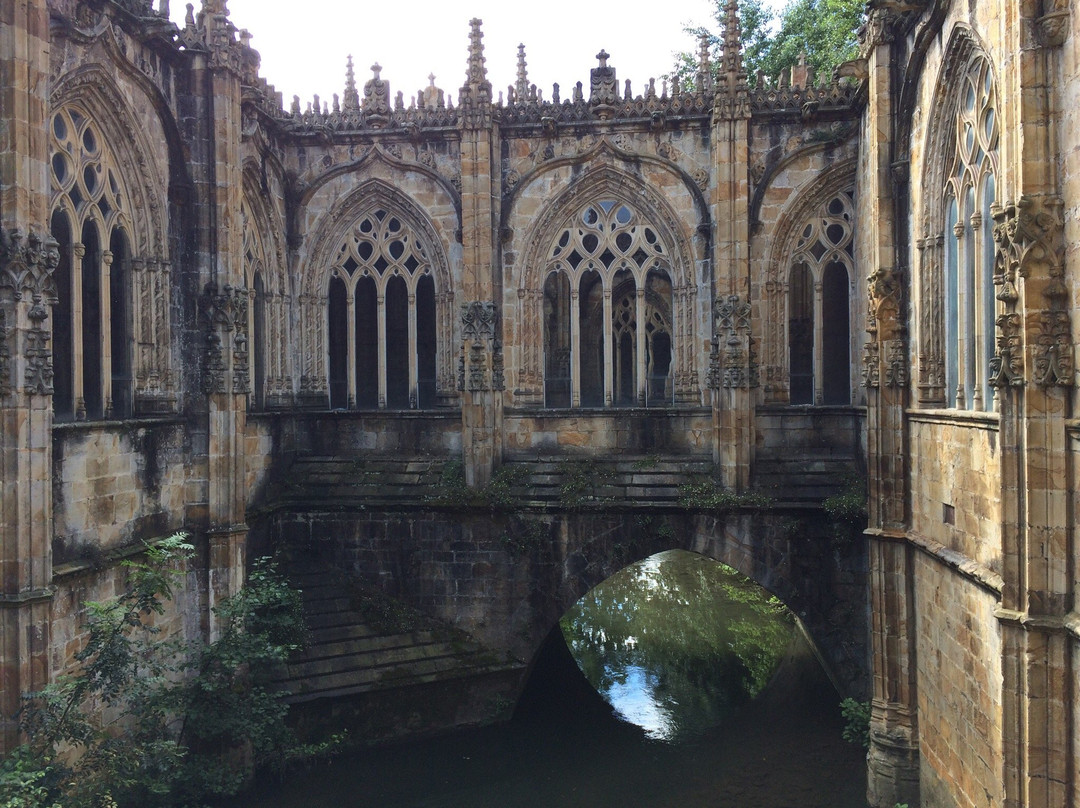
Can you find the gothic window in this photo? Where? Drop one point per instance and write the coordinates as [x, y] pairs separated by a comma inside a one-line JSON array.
[[268, 310], [92, 341], [819, 311], [382, 318], [969, 192], [607, 312]]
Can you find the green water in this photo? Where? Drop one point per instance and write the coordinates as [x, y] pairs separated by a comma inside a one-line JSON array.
[[712, 698]]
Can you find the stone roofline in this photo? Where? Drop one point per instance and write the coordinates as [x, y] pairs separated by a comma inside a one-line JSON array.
[[795, 93]]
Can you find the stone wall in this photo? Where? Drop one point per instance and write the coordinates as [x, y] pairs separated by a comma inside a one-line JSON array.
[[117, 484], [960, 688], [560, 432], [956, 499]]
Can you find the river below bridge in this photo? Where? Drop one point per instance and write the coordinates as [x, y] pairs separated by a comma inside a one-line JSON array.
[[742, 717]]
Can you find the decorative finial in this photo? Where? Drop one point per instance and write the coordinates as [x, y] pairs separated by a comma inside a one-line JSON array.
[[732, 39], [376, 69], [522, 86], [477, 73], [703, 78], [603, 56], [352, 95], [431, 78], [189, 18]]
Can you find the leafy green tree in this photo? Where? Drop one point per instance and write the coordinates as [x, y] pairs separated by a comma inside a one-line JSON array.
[[824, 30], [145, 720]]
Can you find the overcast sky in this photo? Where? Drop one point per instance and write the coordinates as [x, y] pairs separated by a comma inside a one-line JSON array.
[[304, 44]]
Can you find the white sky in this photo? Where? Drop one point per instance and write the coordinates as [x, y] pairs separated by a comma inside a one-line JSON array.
[[304, 45]]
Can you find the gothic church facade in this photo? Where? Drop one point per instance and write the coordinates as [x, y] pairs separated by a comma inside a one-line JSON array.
[[197, 281]]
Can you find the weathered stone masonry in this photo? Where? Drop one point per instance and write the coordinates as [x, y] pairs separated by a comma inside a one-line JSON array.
[[761, 276]]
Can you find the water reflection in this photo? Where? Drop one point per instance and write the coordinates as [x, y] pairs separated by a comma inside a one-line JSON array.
[[677, 642]]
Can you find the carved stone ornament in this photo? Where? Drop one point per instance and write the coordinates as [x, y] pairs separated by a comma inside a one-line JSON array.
[[871, 373], [479, 320], [1053, 351], [1007, 364], [604, 87], [896, 366], [739, 369], [27, 265], [1029, 238], [225, 315]]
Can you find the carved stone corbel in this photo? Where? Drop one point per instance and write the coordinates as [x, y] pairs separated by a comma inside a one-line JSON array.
[[1054, 23]]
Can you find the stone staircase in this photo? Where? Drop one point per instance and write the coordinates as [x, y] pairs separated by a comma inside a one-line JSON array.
[[616, 480], [805, 477], [366, 667], [317, 482]]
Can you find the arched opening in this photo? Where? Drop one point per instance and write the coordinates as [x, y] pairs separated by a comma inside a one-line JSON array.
[[591, 328], [397, 344], [556, 340], [624, 329], [366, 311], [801, 335], [338, 342], [258, 344], [835, 336], [91, 323], [425, 342], [63, 348], [659, 390]]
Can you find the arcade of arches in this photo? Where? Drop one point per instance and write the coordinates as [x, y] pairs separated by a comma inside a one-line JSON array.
[[770, 279]]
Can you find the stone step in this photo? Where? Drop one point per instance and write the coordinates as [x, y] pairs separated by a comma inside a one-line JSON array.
[[364, 679]]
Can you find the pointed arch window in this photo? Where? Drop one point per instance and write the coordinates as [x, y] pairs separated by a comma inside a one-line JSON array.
[[608, 312], [970, 191], [819, 306], [92, 327], [382, 318]]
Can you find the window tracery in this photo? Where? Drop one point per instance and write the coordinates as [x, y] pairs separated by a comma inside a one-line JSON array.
[[969, 192], [93, 322], [382, 317], [268, 314], [822, 267], [608, 320]]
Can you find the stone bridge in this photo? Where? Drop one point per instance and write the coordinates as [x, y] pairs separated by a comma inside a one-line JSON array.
[[504, 562]]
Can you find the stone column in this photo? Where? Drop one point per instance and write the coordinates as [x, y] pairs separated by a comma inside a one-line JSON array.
[[223, 303], [734, 388], [1034, 373], [893, 759], [28, 258], [481, 351]]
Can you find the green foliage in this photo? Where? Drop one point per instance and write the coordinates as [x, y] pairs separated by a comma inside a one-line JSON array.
[[146, 721], [847, 511], [703, 494], [452, 490], [523, 535], [709, 637], [382, 612], [499, 493], [824, 30], [581, 483], [857, 721]]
